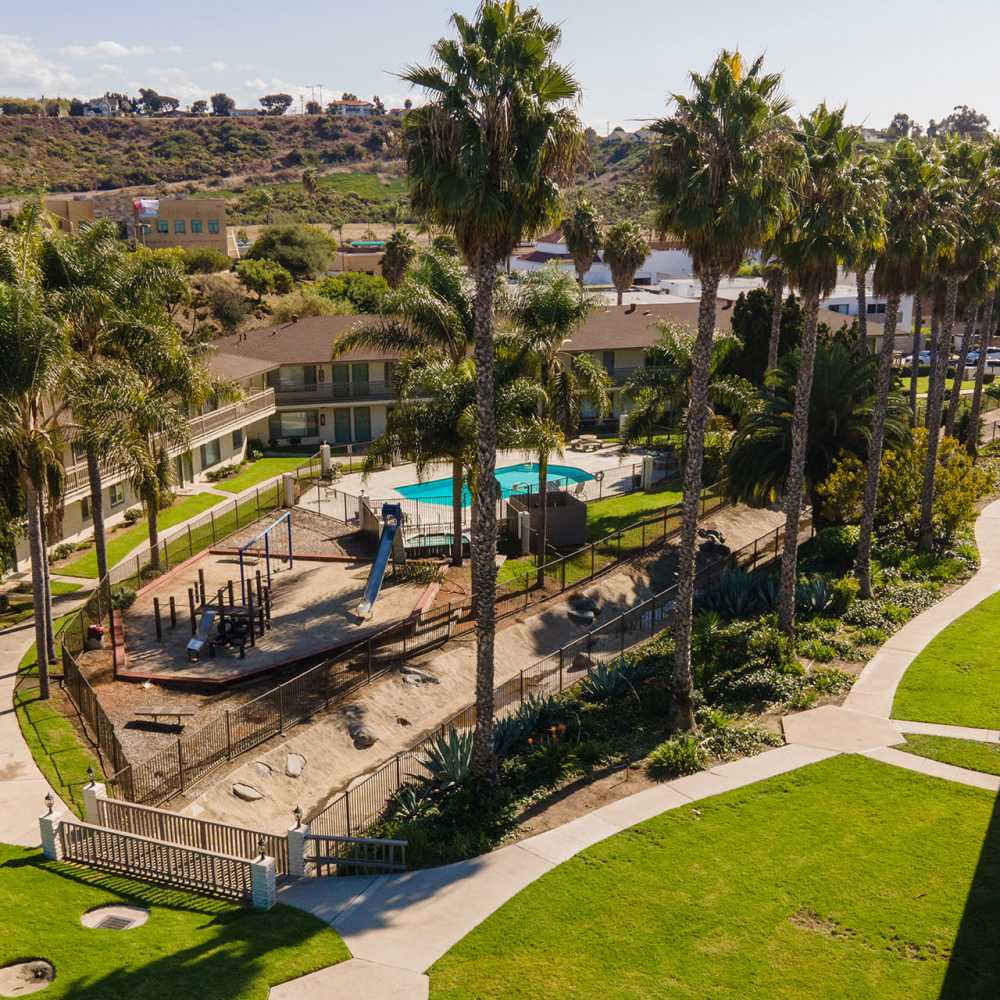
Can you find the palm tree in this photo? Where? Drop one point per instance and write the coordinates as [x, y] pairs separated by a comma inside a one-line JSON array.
[[840, 419], [582, 232], [774, 277], [825, 227], [548, 308], [34, 350], [991, 267], [110, 299], [918, 323], [868, 229], [975, 213], [916, 224], [484, 157], [400, 249], [625, 248], [660, 390], [431, 312], [721, 179], [971, 297]]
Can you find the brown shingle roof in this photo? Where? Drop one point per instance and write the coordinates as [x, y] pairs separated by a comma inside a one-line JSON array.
[[236, 366]]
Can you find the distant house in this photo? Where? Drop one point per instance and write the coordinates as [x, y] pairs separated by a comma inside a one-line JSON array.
[[351, 109], [244, 113], [100, 107]]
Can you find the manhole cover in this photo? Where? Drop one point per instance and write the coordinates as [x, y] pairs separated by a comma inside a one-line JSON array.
[[115, 918], [23, 978]]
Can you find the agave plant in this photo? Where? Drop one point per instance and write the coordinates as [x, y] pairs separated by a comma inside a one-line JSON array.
[[738, 595], [448, 759], [408, 803], [516, 728], [813, 596], [605, 681]]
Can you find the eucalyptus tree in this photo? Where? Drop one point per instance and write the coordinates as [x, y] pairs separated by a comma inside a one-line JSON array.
[[722, 174], [545, 312], [916, 224], [582, 232], [485, 156], [431, 313], [827, 224], [35, 352], [976, 214], [625, 249]]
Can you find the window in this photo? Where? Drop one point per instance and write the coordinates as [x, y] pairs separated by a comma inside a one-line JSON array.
[[342, 426], [213, 226], [362, 423], [179, 227], [297, 424], [238, 438], [117, 493], [85, 508], [162, 226], [876, 308], [196, 225], [608, 360], [211, 454]]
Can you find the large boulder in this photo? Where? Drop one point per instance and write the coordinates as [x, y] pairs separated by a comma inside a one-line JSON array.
[[362, 735]]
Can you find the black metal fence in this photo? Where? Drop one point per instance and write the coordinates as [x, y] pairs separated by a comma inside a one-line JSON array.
[[359, 807]]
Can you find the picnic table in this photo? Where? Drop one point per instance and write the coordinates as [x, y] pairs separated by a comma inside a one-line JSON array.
[[178, 714]]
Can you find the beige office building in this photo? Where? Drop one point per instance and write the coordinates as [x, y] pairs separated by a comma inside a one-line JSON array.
[[181, 222], [70, 213]]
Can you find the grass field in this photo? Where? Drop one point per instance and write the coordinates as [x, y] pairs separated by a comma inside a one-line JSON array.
[[191, 946], [615, 513], [256, 472], [122, 542], [923, 384], [975, 756], [956, 678], [848, 878], [21, 606]]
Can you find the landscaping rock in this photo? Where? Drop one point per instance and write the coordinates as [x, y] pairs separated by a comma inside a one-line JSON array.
[[584, 603], [294, 765], [580, 662], [247, 792], [362, 735], [413, 676], [263, 769], [581, 617], [22, 978]]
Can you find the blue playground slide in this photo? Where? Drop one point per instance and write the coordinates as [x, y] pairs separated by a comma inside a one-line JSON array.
[[392, 518]]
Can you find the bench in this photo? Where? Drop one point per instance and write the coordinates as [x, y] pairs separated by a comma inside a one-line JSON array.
[[155, 713]]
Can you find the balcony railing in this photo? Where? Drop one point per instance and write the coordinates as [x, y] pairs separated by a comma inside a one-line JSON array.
[[292, 393], [201, 427]]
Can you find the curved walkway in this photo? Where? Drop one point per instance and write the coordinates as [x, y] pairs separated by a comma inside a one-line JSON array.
[[397, 926]]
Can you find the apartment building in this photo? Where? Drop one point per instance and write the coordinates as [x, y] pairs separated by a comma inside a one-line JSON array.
[[194, 223], [351, 109]]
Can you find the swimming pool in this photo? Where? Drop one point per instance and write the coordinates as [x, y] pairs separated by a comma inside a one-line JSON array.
[[512, 478]]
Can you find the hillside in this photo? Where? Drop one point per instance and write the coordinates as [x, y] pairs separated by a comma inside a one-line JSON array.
[[91, 154]]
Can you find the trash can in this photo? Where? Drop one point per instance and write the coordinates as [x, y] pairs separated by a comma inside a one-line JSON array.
[[95, 636]]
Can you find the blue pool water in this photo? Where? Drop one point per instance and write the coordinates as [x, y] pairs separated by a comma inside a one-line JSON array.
[[512, 478]]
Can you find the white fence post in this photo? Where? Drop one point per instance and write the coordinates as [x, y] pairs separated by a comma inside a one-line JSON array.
[[92, 794], [288, 489], [297, 849], [48, 827], [647, 471], [263, 883], [325, 462]]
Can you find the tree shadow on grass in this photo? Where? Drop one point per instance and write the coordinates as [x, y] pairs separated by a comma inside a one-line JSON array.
[[974, 968]]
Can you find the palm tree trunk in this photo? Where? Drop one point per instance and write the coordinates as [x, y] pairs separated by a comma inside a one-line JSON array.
[[972, 444], [863, 565], [97, 512], [457, 507], [918, 321], [935, 353], [860, 276], [935, 400], [619, 291], [484, 526], [956, 382], [543, 514], [776, 286], [797, 464], [50, 635], [39, 594], [152, 504], [682, 694]]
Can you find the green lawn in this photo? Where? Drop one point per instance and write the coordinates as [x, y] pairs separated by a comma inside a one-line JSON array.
[[956, 678], [848, 878], [191, 946], [123, 541], [614, 513], [58, 588], [975, 756], [924, 381], [29, 662], [256, 472], [21, 607], [55, 746]]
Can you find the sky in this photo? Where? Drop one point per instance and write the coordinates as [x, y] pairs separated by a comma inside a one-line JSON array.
[[920, 57]]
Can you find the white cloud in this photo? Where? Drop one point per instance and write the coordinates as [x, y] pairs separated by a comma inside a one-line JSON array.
[[216, 66], [175, 49], [111, 69], [24, 70], [105, 50]]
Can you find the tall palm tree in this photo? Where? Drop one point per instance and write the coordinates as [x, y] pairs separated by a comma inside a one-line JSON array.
[[110, 298], [971, 296], [976, 214], [868, 229], [825, 227], [774, 278], [485, 157], [34, 350], [991, 269], [546, 311], [431, 313], [400, 249], [916, 223], [720, 174], [918, 322], [625, 248], [582, 232], [661, 389]]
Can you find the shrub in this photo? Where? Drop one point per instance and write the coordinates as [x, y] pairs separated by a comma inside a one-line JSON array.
[[366, 292], [418, 571], [304, 302], [132, 514], [896, 613], [739, 595], [761, 685], [61, 551], [865, 613], [844, 593], [871, 636], [264, 277], [448, 759], [681, 754], [725, 737], [123, 598], [605, 681], [303, 251], [813, 595], [929, 566], [837, 543], [204, 260], [827, 680], [815, 649]]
